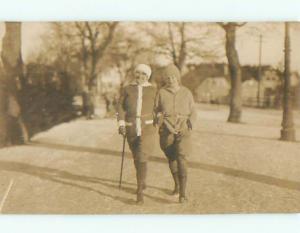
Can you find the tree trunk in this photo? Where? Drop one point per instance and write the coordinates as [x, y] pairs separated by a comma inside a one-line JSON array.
[[12, 126], [84, 58], [93, 74], [3, 113], [182, 51], [235, 75], [288, 130]]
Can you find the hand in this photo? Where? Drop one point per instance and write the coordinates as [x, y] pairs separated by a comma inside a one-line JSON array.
[[155, 122], [189, 124], [122, 130], [158, 120]]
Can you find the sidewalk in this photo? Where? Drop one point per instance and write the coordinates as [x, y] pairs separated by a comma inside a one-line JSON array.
[[234, 168]]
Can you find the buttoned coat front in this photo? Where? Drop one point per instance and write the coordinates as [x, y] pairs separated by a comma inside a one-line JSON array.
[[135, 111], [178, 114]]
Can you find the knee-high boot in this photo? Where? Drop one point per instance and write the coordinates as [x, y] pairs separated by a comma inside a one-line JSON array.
[[141, 179], [174, 171], [182, 170], [136, 165]]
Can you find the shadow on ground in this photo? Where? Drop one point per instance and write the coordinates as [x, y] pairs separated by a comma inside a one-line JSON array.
[[241, 136], [70, 179], [265, 179]]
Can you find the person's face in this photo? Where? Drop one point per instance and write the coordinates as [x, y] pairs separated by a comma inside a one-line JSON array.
[[171, 81], [141, 76]]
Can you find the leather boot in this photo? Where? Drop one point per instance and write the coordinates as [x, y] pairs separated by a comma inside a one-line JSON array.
[[136, 165], [141, 178], [174, 171], [182, 194], [176, 183], [182, 170]]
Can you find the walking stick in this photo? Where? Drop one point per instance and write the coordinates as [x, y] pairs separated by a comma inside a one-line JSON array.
[[123, 155]]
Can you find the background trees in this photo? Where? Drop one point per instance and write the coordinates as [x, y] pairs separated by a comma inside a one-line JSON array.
[[234, 70], [79, 45], [12, 127], [77, 54], [184, 43]]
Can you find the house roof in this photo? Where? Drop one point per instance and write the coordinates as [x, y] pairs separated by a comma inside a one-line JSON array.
[[199, 73]]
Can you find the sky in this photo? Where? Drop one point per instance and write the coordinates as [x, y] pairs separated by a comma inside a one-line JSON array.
[[247, 42], [272, 44]]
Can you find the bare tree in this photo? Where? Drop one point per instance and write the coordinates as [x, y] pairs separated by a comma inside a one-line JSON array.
[[127, 50], [234, 70], [84, 43], [10, 115], [180, 56], [182, 42], [123, 56], [60, 47], [3, 112], [95, 38]]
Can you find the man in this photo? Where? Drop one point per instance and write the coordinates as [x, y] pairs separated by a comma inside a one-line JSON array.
[[135, 117], [175, 108]]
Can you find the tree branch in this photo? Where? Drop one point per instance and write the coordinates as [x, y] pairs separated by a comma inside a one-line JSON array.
[[80, 29], [90, 36], [171, 37], [111, 29]]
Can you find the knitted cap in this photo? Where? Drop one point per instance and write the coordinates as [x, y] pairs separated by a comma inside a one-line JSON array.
[[172, 70]]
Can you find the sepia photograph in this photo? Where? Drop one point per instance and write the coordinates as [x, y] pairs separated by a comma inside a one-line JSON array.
[[123, 117]]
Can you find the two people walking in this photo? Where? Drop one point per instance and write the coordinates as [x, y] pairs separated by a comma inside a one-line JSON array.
[[142, 109]]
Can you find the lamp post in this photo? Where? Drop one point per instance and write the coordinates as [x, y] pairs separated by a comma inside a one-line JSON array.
[[287, 131]]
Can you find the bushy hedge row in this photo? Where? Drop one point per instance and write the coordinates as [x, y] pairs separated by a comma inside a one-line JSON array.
[[43, 108]]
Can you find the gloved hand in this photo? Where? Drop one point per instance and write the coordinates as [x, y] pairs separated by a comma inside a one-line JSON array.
[[122, 130], [189, 124], [158, 120]]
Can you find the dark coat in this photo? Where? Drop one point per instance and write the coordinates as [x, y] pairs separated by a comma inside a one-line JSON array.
[[128, 104], [141, 134]]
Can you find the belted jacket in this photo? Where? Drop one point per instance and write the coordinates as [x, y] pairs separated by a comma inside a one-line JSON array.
[[175, 109], [136, 104]]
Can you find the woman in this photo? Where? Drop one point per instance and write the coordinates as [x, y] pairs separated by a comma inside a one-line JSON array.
[[135, 116], [174, 105]]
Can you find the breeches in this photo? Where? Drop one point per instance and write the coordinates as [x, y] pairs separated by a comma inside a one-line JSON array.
[[175, 146], [136, 147]]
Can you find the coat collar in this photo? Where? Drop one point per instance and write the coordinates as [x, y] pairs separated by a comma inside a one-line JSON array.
[[172, 90], [146, 84]]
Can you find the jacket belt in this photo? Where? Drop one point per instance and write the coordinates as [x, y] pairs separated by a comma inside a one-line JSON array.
[[147, 122], [176, 115]]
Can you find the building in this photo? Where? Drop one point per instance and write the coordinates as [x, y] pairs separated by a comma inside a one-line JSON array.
[[213, 90], [261, 93], [250, 92], [196, 75]]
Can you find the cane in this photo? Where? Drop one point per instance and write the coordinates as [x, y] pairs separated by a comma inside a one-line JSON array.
[[123, 155]]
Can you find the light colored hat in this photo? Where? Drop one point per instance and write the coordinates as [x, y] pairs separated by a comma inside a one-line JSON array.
[[144, 68], [172, 70]]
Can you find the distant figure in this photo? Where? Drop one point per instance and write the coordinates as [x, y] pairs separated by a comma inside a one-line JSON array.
[[176, 116], [135, 117], [109, 98], [88, 103]]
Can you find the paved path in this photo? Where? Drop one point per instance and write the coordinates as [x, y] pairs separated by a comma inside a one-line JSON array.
[[234, 168]]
